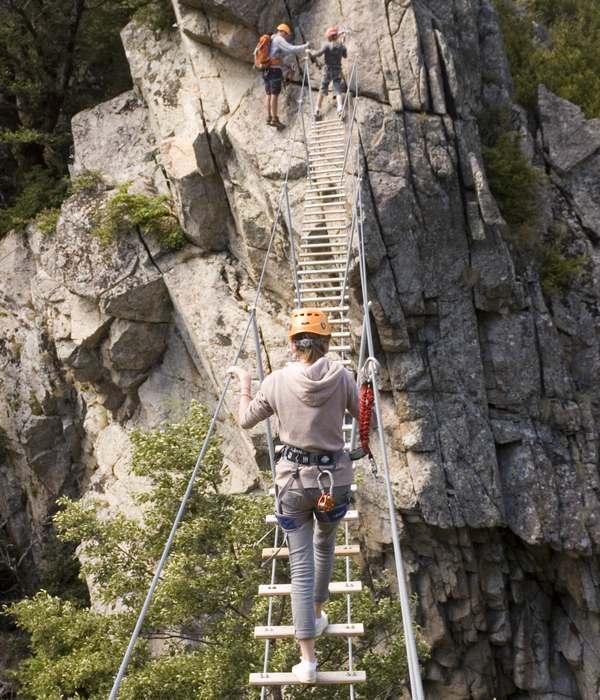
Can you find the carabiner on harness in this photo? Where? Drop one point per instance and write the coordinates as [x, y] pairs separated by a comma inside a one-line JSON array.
[[326, 501]]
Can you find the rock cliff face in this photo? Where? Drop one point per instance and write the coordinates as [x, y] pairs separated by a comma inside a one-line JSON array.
[[491, 392]]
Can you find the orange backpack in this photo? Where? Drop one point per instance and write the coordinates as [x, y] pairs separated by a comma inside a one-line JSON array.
[[262, 60]]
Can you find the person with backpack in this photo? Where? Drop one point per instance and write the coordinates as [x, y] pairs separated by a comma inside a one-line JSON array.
[[334, 51], [314, 473], [270, 56]]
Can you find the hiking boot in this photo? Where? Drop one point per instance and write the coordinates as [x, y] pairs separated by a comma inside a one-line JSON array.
[[340, 114], [269, 121], [321, 624], [318, 116], [305, 671], [276, 123]]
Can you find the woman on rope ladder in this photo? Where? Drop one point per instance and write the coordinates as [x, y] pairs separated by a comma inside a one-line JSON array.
[[313, 473]]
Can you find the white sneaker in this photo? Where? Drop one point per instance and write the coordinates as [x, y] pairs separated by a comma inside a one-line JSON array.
[[320, 624], [305, 671]]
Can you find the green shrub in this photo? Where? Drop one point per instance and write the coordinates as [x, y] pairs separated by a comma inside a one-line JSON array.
[[569, 65], [151, 214], [513, 181], [46, 221], [157, 14], [558, 268], [87, 180], [40, 190]]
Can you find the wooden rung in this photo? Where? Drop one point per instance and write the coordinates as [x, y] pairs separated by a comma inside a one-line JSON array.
[[334, 247], [335, 130], [326, 159], [329, 261], [323, 678], [327, 140], [324, 237], [337, 209], [333, 195], [307, 240], [351, 516], [324, 217], [314, 144], [336, 288], [319, 145], [324, 168], [322, 161], [334, 224], [341, 550], [313, 290], [330, 157], [272, 589], [316, 300], [306, 258], [329, 125], [355, 629]]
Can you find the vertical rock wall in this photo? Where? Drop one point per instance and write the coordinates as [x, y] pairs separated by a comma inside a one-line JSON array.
[[490, 385]]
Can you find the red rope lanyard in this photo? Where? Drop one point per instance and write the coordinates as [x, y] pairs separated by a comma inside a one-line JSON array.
[[366, 401]]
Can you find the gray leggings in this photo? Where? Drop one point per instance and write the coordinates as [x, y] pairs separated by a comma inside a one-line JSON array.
[[312, 547]]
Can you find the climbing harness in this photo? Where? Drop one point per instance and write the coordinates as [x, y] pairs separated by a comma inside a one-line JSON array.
[[298, 456]]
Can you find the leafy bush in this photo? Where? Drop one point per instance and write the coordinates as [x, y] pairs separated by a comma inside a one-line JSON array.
[[88, 180], [157, 14], [40, 190], [151, 214], [558, 267], [46, 221], [205, 607], [513, 181], [569, 65]]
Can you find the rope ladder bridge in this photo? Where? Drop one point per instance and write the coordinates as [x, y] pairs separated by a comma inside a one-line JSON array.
[[331, 237]]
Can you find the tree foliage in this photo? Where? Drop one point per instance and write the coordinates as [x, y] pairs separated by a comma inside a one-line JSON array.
[[567, 61], [56, 58], [197, 642]]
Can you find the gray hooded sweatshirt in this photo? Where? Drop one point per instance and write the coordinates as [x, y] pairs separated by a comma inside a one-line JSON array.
[[309, 402]]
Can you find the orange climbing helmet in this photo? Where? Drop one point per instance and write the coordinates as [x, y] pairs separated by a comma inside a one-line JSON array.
[[308, 320], [331, 32], [284, 28]]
